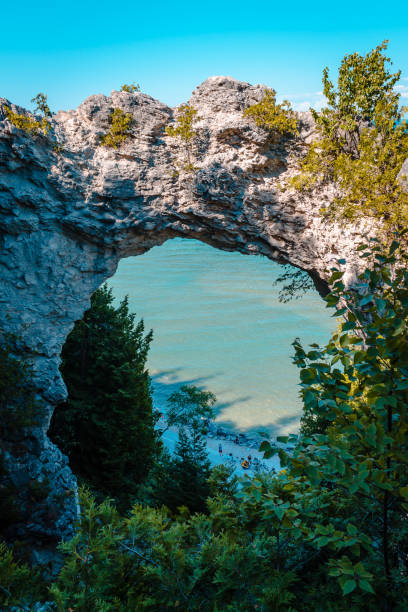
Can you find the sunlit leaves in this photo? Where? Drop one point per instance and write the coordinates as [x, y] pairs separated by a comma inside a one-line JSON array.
[[27, 123], [120, 129], [279, 118], [362, 143]]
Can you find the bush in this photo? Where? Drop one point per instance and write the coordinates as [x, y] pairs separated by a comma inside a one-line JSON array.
[[120, 129], [130, 88], [20, 586], [28, 124], [184, 131], [278, 118]]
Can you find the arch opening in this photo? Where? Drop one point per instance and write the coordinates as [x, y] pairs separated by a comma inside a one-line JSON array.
[[218, 324]]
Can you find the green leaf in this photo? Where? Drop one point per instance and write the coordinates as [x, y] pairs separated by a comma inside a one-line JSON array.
[[349, 586], [404, 492], [351, 529], [349, 325], [365, 586]]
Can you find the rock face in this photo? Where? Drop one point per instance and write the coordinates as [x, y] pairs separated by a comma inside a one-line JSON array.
[[68, 216]]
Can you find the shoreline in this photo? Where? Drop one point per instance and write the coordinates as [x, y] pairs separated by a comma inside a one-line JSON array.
[[232, 453]]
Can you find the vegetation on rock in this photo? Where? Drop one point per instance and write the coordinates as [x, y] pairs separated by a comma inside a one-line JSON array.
[[41, 104], [20, 586], [184, 131], [27, 123], [130, 88], [362, 143], [275, 117], [120, 129]]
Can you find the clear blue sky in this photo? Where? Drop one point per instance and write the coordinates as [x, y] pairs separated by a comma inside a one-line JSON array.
[[71, 50]]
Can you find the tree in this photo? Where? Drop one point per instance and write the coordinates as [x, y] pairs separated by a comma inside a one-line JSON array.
[[182, 480], [41, 104], [106, 426], [358, 384], [362, 142], [190, 407]]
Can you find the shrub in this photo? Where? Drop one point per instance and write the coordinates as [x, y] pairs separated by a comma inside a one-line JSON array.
[[184, 131], [28, 124], [130, 88], [357, 387], [20, 586], [272, 116], [120, 129]]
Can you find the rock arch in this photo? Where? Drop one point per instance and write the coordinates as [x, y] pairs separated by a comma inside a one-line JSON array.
[[68, 216]]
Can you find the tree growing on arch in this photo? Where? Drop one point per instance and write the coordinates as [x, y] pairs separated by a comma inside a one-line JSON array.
[[106, 426]]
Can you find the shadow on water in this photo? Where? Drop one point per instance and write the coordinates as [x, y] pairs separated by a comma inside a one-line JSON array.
[[166, 382], [277, 427]]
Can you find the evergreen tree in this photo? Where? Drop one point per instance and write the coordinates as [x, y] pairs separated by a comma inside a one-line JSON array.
[[191, 470], [182, 480], [106, 426]]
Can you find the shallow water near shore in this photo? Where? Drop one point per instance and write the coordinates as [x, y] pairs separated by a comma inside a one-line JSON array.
[[218, 324]]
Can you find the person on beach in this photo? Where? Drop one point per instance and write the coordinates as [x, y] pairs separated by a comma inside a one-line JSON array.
[[236, 440], [220, 449]]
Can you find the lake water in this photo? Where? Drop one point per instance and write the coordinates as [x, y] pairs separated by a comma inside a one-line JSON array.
[[218, 324]]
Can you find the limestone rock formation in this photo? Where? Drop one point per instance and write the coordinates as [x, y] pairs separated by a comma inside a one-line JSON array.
[[70, 209]]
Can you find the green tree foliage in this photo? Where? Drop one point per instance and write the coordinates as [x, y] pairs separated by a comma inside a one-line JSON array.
[[328, 533], [295, 284], [20, 586], [358, 385], [190, 408], [130, 88], [152, 562], [28, 124], [223, 481], [275, 117], [362, 143], [184, 131], [182, 480], [106, 427], [42, 105], [120, 129]]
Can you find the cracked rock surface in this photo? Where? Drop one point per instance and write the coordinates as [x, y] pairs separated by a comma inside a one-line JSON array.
[[70, 209]]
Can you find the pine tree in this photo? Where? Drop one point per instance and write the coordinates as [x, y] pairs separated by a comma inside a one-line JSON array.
[[191, 470], [106, 426]]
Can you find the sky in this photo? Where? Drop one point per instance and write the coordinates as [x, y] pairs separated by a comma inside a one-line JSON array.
[[70, 50]]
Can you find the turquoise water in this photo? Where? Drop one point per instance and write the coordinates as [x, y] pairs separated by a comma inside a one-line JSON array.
[[218, 324]]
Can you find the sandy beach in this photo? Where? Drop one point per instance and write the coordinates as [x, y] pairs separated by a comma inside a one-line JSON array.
[[232, 453]]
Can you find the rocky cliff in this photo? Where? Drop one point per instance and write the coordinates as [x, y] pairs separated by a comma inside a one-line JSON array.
[[70, 209]]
